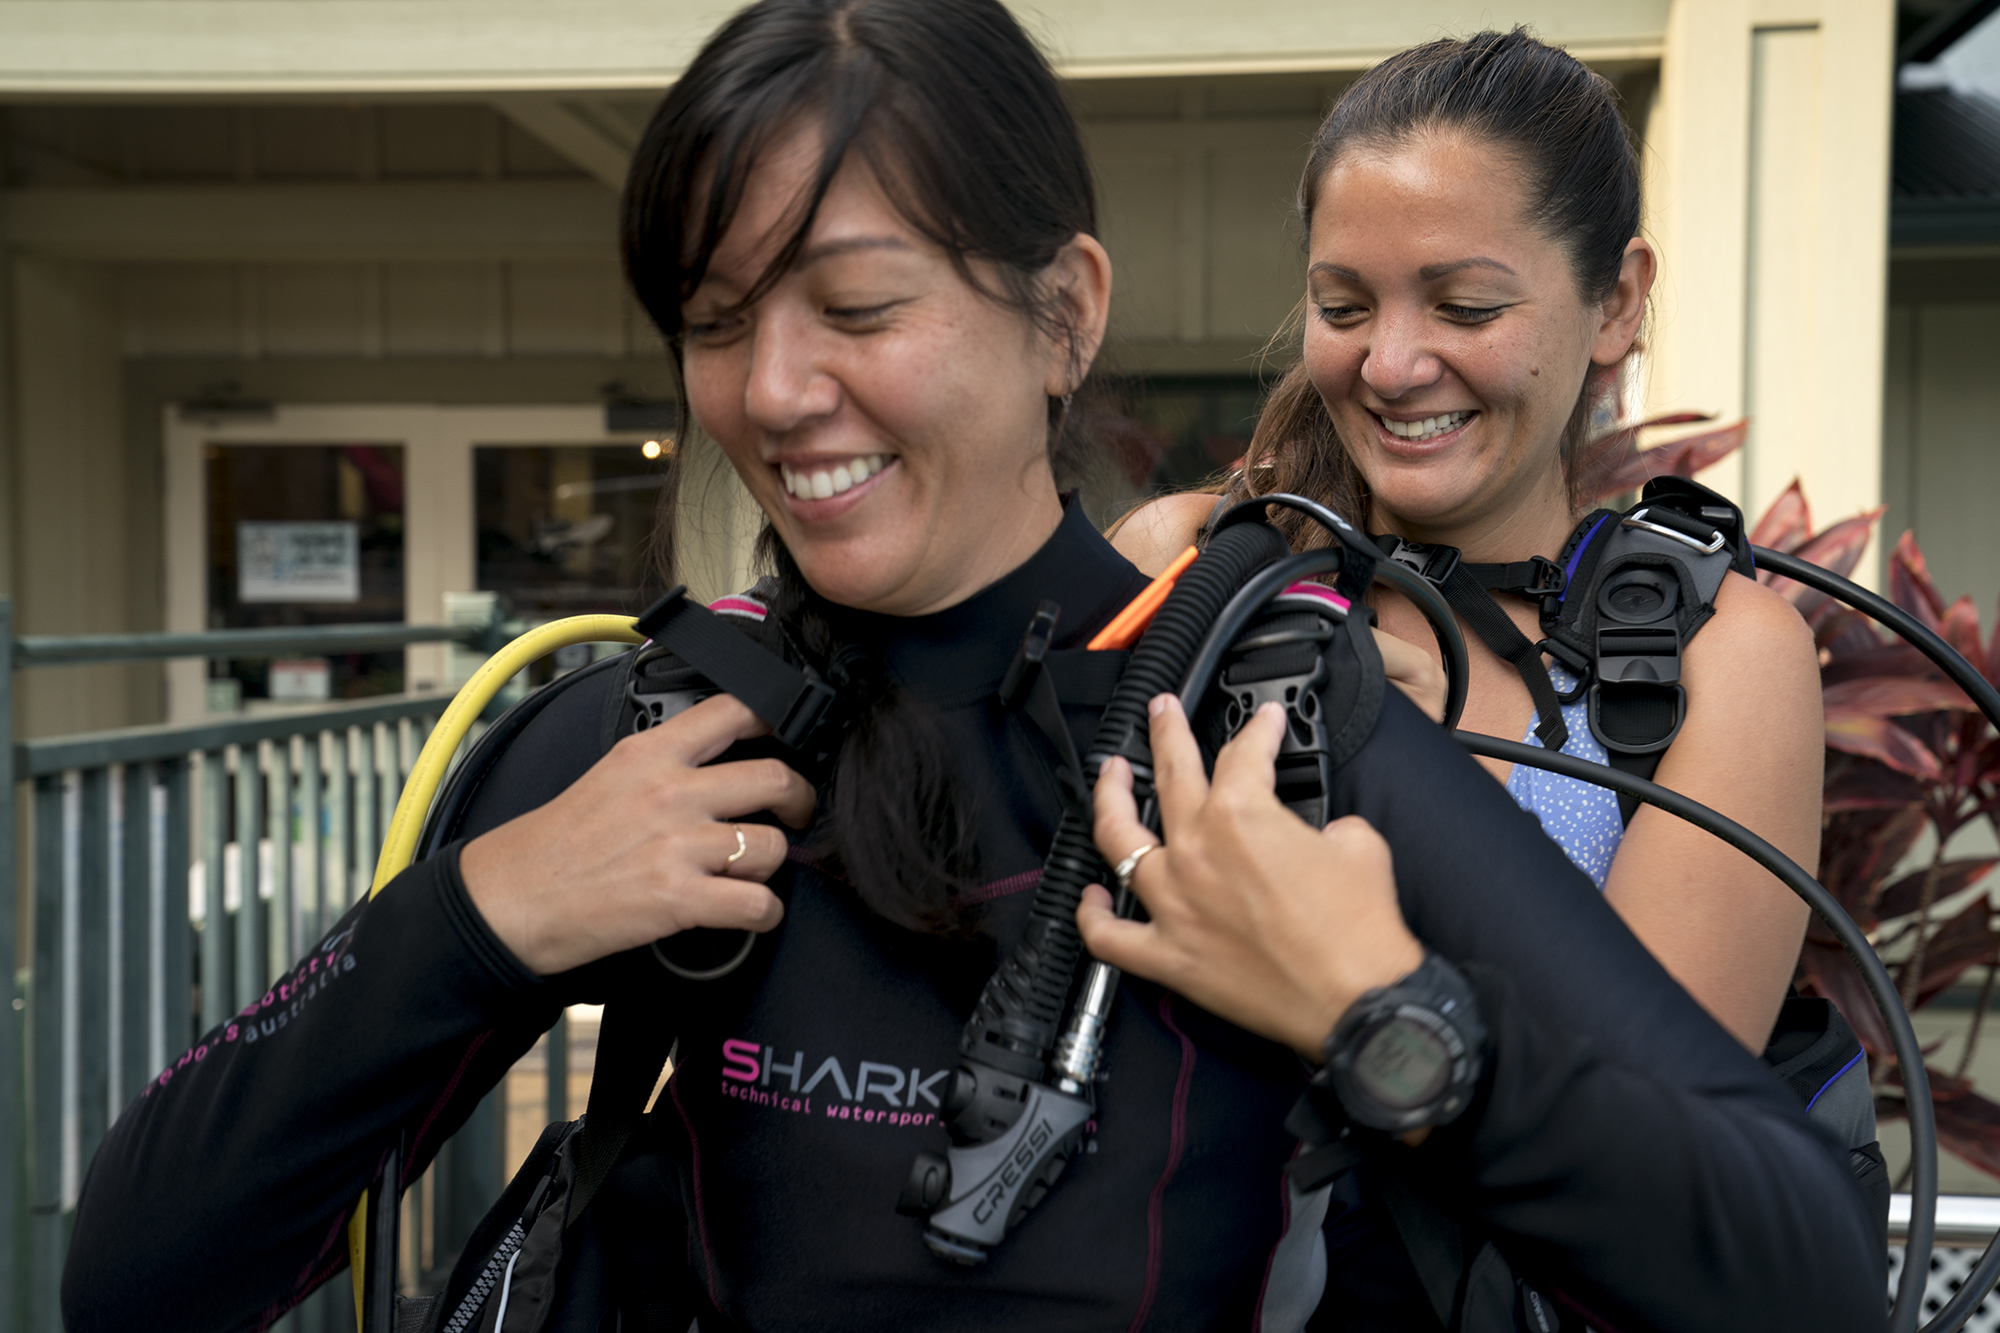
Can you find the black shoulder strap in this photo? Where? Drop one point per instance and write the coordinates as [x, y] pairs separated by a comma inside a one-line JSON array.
[[792, 701], [633, 1042], [1497, 632]]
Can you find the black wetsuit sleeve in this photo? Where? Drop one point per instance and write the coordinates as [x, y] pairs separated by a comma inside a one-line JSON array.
[[220, 1197], [1626, 1151]]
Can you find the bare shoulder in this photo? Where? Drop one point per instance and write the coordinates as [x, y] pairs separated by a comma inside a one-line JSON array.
[[1755, 654], [1153, 534], [1750, 618]]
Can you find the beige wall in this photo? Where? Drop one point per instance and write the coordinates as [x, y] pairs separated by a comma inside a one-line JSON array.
[[348, 46], [1768, 192], [72, 521]]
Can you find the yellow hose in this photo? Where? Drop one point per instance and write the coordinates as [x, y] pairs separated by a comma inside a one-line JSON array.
[[400, 846]]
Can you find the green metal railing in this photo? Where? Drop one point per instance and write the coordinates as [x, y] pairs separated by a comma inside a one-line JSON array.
[[173, 872]]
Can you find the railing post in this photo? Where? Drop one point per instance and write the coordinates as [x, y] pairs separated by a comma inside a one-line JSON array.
[[132, 947], [175, 1025], [215, 990], [47, 1023], [252, 954], [13, 1120]]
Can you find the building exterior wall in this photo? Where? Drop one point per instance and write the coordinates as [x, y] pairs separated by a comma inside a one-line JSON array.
[[425, 214], [1941, 471], [1768, 193], [186, 47]]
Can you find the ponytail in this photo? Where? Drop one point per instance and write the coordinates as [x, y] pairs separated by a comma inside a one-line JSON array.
[[894, 823]]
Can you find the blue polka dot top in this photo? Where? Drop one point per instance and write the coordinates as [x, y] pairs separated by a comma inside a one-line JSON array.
[[1582, 819]]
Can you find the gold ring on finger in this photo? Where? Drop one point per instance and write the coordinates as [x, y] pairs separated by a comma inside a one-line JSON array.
[[1130, 866], [742, 846]]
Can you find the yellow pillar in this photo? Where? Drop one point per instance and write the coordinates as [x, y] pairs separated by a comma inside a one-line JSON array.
[[1768, 192]]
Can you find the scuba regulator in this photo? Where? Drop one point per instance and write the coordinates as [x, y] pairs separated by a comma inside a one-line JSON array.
[[1030, 1057]]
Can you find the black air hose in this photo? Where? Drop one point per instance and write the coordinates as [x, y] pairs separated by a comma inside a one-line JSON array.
[[1015, 1023]]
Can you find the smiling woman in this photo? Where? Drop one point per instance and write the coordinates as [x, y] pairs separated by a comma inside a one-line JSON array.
[[1476, 286]]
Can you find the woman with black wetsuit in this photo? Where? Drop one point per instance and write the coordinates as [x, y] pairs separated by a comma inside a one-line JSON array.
[[865, 228]]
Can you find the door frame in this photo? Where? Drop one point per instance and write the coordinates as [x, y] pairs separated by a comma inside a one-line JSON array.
[[439, 536]]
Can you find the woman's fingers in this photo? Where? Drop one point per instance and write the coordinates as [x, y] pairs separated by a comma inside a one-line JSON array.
[[747, 786], [1249, 762], [1180, 781], [1129, 945], [699, 734], [734, 904], [749, 851], [1116, 828]]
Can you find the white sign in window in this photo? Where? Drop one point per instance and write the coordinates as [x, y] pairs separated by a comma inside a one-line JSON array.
[[304, 680], [298, 562]]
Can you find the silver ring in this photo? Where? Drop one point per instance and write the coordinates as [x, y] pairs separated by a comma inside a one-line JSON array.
[[741, 847], [1130, 866]]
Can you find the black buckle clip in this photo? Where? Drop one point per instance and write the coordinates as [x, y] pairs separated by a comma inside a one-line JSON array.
[[1642, 656], [1435, 563], [808, 708], [1026, 667], [1550, 581]]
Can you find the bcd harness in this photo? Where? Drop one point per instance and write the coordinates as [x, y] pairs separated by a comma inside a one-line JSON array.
[[1618, 606]]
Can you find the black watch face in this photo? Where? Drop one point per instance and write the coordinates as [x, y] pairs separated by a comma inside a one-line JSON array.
[[1403, 1065]]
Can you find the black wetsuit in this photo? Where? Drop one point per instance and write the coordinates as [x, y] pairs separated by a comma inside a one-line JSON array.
[[1625, 1151]]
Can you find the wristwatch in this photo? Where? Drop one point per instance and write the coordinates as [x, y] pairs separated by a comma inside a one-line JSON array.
[[1409, 1054]]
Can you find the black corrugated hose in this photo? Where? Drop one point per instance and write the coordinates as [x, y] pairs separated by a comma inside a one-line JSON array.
[[1015, 1024]]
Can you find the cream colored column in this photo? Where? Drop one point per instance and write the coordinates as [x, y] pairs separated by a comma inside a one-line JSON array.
[[1768, 182], [438, 537], [71, 541]]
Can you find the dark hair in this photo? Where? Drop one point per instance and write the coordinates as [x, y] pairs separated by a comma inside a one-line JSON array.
[[958, 115], [1558, 120]]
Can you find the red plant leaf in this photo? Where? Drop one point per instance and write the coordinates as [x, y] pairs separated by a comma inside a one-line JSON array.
[[1880, 739], [1967, 940], [1901, 897], [1993, 650], [1787, 523], [1968, 1127], [1859, 784], [1863, 658], [1831, 974], [1910, 585], [1616, 464], [1961, 630], [1841, 632], [1858, 851], [1889, 696], [1837, 549]]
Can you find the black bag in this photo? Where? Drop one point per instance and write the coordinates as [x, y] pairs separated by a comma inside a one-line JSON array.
[[505, 1278]]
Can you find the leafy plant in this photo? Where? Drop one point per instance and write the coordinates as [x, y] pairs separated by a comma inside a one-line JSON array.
[[1908, 754]]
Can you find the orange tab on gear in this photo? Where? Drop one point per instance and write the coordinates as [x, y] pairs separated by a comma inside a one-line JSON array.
[[1126, 627]]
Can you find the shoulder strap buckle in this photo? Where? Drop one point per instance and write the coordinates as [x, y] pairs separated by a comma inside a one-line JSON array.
[[792, 701], [1435, 563]]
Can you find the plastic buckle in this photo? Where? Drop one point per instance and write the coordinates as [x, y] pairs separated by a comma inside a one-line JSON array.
[[1638, 656], [1026, 668], [1435, 563], [808, 708], [1550, 581]]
